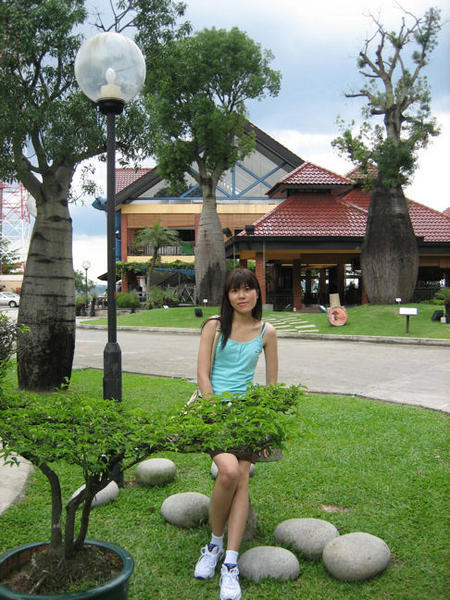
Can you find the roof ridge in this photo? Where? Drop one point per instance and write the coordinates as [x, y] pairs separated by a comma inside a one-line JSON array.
[[307, 164]]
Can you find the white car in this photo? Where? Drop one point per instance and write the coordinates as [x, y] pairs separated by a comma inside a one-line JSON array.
[[9, 299]]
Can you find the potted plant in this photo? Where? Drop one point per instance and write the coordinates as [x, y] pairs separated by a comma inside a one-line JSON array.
[[103, 438], [100, 437]]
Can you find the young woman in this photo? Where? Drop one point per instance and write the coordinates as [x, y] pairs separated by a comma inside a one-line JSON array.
[[243, 337]]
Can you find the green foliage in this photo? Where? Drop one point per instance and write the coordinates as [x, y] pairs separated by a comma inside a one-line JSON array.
[[394, 89], [196, 98], [159, 296], [8, 337], [9, 258], [442, 296], [258, 420], [102, 436], [127, 300]]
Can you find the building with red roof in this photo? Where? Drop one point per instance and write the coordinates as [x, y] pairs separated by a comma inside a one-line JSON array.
[[319, 229], [301, 223]]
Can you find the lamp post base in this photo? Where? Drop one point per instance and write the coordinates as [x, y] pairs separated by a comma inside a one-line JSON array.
[[112, 371]]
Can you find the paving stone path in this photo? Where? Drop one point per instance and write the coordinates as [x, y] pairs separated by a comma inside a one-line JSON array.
[[292, 322]]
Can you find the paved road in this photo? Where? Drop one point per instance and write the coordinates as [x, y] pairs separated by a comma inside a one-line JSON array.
[[407, 374]]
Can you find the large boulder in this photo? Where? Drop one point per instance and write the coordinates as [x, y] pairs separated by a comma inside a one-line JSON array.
[[186, 510], [307, 536], [356, 556], [156, 471], [104, 496], [269, 561]]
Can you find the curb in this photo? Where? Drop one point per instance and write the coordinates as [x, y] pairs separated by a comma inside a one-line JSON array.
[[290, 334]]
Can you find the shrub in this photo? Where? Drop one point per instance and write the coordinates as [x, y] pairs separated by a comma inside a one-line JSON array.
[[439, 297], [127, 300], [158, 296], [8, 336]]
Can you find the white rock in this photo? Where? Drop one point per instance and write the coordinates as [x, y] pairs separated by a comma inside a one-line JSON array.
[[107, 494], [156, 471], [214, 470], [307, 536], [187, 510], [269, 561], [356, 556]]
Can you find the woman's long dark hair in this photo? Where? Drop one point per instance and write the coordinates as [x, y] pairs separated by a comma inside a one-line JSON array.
[[235, 280]]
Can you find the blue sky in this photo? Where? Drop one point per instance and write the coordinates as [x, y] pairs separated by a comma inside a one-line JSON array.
[[316, 45]]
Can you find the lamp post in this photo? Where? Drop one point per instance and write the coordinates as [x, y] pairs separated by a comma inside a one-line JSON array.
[[86, 266], [110, 70]]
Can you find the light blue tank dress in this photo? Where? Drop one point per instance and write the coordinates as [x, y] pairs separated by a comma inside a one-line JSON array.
[[234, 366]]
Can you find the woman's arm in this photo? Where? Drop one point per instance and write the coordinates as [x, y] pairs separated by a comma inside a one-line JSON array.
[[204, 357], [271, 354]]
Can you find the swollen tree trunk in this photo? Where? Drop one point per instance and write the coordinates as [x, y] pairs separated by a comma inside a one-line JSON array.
[[210, 265], [47, 306], [389, 257]]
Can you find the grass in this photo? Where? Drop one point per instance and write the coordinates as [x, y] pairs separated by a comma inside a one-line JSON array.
[[383, 466], [368, 320]]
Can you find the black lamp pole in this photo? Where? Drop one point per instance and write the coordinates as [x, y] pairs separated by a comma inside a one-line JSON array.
[[112, 355]]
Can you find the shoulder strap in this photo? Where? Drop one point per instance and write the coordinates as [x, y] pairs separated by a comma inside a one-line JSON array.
[[264, 325], [215, 342]]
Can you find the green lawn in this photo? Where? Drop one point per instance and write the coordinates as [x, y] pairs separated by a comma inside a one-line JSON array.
[[362, 320], [382, 466]]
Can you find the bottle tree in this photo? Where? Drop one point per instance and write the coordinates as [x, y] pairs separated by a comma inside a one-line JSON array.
[[397, 123], [196, 96], [48, 127]]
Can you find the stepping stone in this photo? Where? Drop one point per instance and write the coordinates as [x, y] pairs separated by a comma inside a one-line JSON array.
[[186, 510], [269, 561], [214, 470], [356, 556], [156, 471], [307, 536], [104, 496]]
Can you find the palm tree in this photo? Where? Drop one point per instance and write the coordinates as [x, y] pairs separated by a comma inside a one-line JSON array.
[[156, 237]]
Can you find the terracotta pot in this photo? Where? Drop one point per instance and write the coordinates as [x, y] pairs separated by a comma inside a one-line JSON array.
[[115, 589]]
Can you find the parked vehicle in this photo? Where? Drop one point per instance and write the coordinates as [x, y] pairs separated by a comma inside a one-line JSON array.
[[9, 299]]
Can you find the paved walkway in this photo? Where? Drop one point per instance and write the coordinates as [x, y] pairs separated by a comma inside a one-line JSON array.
[[413, 371]]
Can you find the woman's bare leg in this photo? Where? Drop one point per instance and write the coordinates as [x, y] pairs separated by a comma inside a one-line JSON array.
[[238, 514], [229, 500]]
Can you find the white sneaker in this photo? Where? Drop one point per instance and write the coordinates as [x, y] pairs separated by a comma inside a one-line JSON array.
[[207, 563], [229, 583]]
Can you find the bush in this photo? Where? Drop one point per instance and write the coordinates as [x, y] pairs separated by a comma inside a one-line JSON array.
[[439, 297], [8, 336], [158, 296], [127, 300]]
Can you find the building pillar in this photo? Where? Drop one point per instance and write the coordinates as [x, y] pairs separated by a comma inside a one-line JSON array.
[[261, 275], [124, 248], [340, 276], [243, 263], [364, 298], [322, 286], [296, 285]]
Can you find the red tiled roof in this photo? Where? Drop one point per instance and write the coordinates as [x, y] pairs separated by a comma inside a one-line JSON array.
[[325, 215], [312, 214], [428, 223], [125, 177], [447, 211], [309, 174]]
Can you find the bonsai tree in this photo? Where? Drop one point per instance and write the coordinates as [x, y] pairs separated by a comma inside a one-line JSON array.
[[103, 437]]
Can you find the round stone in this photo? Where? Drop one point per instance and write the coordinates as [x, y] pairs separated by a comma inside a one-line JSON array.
[[356, 556], [107, 494], [307, 536], [156, 471], [269, 561], [186, 510], [214, 470]]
